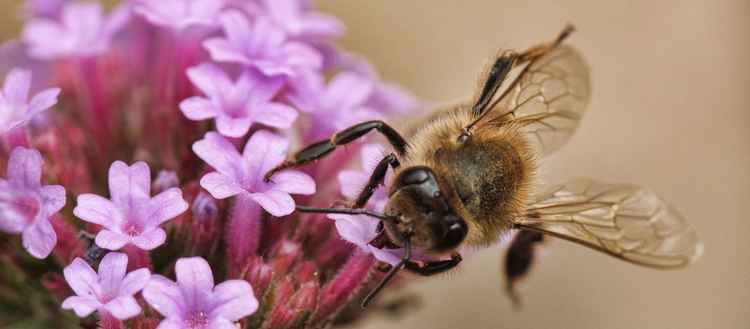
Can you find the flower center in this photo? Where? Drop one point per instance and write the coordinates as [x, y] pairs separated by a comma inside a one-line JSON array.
[[28, 206], [196, 320], [132, 228]]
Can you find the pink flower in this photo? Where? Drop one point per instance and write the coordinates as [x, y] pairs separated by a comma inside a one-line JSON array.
[[15, 107], [335, 106], [81, 32], [262, 46], [243, 173], [297, 21], [109, 290], [236, 105], [26, 205], [360, 230], [180, 14], [132, 216], [193, 302]]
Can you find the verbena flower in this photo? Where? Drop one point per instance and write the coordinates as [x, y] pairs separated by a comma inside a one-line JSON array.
[[82, 31], [26, 205], [243, 173], [193, 302], [261, 45], [236, 105], [178, 87], [16, 108], [110, 290], [132, 216], [180, 14]]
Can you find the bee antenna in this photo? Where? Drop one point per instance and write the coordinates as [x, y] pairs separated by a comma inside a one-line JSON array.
[[389, 276]]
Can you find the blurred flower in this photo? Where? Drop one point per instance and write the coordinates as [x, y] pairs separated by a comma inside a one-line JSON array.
[[81, 32], [110, 290], [26, 204], [296, 20], [15, 107], [335, 106], [180, 14], [236, 105], [194, 302], [243, 173], [262, 46], [132, 216]]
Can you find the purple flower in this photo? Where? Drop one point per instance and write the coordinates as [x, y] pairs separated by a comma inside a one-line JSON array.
[[193, 302], [243, 173], [335, 106], [15, 107], [262, 46], [132, 215], [236, 105], [81, 32], [298, 22], [110, 290], [45, 8], [180, 14], [360, 230], [26, 204]]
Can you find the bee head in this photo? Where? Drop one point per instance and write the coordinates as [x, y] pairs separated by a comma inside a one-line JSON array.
[[425, 215]]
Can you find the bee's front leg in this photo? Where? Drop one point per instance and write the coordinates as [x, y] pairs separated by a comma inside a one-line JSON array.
[[434, 267]]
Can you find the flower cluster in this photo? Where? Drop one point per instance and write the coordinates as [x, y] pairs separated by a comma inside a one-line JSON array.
[[208, 95]]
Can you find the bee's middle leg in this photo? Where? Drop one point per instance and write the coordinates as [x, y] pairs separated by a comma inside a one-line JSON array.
[[322, 148]]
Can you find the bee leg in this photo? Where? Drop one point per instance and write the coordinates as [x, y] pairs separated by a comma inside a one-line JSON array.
[[434, 267], [377, 177], [519, 259], [320, 149]]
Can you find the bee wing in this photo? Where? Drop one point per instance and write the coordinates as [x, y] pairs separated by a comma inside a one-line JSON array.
[[625, 221], [548, 98]]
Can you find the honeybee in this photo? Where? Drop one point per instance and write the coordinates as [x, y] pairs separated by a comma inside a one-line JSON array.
[[464, 176]]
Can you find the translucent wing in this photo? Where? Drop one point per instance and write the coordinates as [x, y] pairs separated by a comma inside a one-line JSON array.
[[548, 98], [625, 221]]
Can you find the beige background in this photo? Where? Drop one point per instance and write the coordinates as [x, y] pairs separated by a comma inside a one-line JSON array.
[[670, 110]]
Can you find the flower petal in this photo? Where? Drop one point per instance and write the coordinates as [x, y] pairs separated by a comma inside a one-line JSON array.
[[134, 282], [221, 323], [233, 300], [40, 238], [347, 90], [219, 153], [129, 186], [220, 186], [293, 182], [43, 101], [112, 270], [352, 182], [195, 278], [264, 151], [233, 127], [82, 306], [223, 51], [198, 108], [151, 239], [209, 78], [111, 240], [275, 115], [236, 27], [54, 198], [16, 86], [81, 278], [95, 209], [164, 296], [170, 323], [25, 167], [165, 206], [123, 308], [276, 203]]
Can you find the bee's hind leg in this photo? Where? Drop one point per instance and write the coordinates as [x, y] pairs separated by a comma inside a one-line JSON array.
[[322, 148], [519, 259]]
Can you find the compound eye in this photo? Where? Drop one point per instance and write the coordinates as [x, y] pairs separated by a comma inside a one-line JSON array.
[[414, 176]]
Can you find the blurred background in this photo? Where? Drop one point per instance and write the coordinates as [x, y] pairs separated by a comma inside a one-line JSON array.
[[670, 110]]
